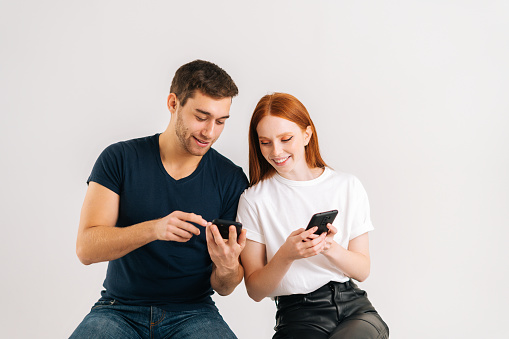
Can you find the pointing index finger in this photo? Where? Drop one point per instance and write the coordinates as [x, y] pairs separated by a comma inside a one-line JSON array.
[[197, 219]]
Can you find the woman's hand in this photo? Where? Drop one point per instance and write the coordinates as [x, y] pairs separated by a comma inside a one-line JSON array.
[[330, 237], [353, 260], [262, 277], [303, 244]]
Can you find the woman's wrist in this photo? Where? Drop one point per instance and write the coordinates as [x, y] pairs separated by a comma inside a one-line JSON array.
[[331, 249], [282, 258]]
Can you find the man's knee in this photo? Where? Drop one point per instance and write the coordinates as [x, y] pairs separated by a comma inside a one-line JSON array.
[[104, 325], [204, 324]]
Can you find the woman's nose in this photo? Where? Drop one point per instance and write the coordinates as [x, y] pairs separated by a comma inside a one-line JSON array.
[[276, 149]]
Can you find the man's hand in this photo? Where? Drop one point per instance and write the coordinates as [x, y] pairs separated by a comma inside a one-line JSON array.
[[227, 272], [177, 226], [225, 252], [99, 240]]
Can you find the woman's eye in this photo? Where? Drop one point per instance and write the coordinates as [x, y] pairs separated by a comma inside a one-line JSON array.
[[288, 139], [264, 142]]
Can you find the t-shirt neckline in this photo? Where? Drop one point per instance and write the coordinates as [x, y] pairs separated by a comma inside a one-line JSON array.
[[167, 175], [317, 180]]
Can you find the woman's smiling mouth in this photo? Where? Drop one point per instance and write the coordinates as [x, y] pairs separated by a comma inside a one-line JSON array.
[[280, 161]]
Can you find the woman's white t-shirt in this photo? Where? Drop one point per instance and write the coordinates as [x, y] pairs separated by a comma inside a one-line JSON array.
[[275, 207]]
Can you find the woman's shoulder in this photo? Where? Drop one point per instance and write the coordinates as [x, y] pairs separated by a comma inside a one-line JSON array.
[[260, 189], [341, 176], [344, 180]]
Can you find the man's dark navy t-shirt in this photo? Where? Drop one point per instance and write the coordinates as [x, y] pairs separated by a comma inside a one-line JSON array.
[[167, 274]]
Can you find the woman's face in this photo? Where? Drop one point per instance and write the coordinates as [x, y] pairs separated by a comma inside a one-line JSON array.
[[282, 144]]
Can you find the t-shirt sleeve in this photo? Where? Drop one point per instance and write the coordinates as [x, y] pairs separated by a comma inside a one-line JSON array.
[[361, 220], [250, 221], [237, 184], [108, 169]]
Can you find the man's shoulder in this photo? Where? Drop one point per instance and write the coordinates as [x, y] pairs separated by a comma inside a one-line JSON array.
[[131, 145], [220, 160], [225, 170], [138, 142]]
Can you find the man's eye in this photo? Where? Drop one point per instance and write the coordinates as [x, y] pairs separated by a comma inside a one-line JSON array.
[[220, 122], [200, 119]]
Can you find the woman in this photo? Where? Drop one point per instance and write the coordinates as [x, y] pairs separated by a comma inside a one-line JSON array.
[[308, 275]]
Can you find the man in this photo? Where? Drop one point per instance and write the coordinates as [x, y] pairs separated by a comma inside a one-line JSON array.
[[147, 211]]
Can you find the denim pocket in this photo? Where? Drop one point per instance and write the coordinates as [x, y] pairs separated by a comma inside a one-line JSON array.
[[104, 302]]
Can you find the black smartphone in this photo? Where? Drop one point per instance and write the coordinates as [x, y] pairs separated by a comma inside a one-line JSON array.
[[321, 220], [224, 227]]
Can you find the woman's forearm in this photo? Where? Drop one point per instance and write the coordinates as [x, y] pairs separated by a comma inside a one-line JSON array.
[[353, 264], [262, 282]]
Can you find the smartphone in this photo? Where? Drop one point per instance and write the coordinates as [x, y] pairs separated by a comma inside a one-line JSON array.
[[321, 220], [224, 227]]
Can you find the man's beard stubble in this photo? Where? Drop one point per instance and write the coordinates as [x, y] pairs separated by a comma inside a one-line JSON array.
[[181, 131]]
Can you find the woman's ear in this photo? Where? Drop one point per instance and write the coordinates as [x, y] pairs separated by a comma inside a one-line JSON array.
[[307, 135]]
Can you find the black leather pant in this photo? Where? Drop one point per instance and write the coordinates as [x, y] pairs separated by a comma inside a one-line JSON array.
[[335, 310]]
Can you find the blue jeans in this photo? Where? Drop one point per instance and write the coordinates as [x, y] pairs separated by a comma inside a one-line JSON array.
[[110, 319]]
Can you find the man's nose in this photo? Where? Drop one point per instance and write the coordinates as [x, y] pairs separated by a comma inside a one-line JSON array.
[[208, 130]]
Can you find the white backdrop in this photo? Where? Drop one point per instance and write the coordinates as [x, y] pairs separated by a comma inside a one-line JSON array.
[[410, 96]]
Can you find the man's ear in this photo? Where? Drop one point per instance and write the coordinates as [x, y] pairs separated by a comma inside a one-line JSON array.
[[172, 103]]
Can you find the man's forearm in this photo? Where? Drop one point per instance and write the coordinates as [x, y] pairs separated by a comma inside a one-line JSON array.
[[105, 243], [224, 280]]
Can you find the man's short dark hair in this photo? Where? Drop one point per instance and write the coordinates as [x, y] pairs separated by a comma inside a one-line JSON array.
[[204, 76]]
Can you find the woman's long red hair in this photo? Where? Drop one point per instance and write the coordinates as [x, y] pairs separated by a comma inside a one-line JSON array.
[[284, 106]]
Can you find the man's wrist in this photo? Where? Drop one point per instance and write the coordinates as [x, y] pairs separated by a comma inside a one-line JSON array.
[[226, 271], [152, 229]]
